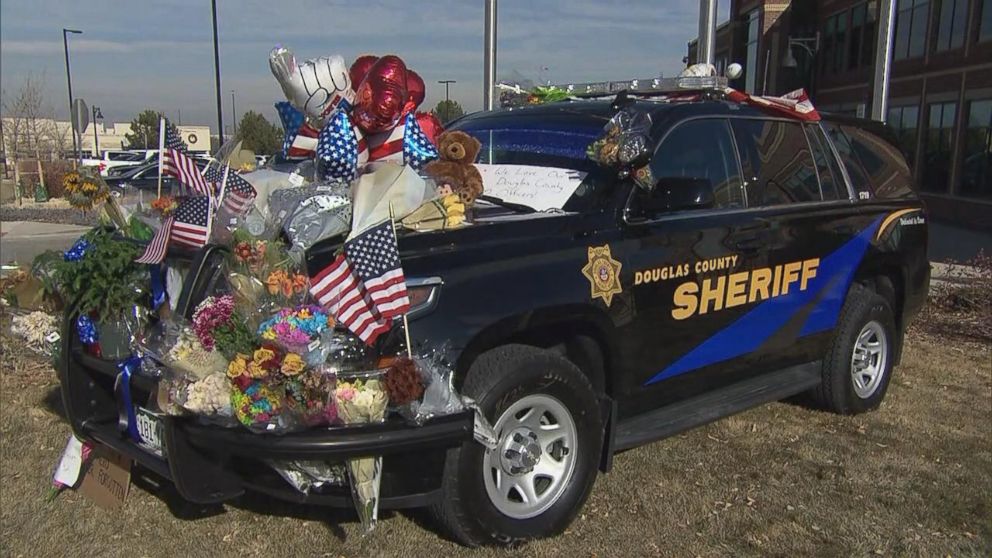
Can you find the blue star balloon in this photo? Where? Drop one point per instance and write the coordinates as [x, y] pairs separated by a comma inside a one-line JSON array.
[[77, 251], [417, 147], [337, 148]]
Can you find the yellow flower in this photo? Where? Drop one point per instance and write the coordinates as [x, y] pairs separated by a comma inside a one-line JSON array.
[[238, 366], [256, 371], [269, 334], [292, 364], [263, 355]]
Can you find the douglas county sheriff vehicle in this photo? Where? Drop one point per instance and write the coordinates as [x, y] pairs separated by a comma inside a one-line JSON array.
[[769, 256]]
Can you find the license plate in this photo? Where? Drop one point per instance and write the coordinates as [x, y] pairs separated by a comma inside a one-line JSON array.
[[150, 430]]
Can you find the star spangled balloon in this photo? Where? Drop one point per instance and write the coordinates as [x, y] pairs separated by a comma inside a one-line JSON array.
[[418, 150], [294, 146], [337, 148], [86, 329]]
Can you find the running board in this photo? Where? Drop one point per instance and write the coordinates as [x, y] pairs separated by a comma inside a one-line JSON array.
[[708, 407]]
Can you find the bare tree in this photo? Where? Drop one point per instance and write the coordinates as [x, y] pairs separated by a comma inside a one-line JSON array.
[[29, 126]]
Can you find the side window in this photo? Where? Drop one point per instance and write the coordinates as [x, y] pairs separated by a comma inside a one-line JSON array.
[[831, 182], [887, 170], [778, 167], [701, 149], [856, 172]]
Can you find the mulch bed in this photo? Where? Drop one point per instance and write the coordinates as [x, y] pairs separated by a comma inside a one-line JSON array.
[[63, 216]]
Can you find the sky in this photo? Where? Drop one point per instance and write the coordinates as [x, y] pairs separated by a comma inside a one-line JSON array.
[[158, 54]]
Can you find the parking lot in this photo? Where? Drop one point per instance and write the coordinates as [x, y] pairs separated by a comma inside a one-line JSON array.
[[913, 479]]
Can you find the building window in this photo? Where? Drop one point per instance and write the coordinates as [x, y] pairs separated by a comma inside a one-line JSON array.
[[985, 27], [829, 44], [976, 170], [753, 19], [868, 48], [905, 122], [840, 40], [951, 24], [911, 28], [938, 147], [858, 14]]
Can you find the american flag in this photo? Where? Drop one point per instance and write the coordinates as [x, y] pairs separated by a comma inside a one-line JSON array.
[[191, 225], [155, 252], [795, 104], [301, 138], [177, 162], [238, 193], [364, 288], [338, 148]]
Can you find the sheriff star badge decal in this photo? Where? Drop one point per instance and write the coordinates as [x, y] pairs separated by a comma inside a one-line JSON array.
[[603, 273]]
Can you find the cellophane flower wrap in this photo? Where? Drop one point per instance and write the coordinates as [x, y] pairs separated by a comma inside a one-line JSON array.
[[299, 330], [363, 401], [310, 396], [258, 382], [264, 276]]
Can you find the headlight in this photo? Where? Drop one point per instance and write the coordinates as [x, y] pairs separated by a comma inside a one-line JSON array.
[[423, 294]]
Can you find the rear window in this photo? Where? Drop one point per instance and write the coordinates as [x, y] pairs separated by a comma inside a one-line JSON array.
[[778, 166], [852, 163], [130, 157], [884, 163]]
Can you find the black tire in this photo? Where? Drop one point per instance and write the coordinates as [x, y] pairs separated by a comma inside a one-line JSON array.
[[837, 391], [496, 380]]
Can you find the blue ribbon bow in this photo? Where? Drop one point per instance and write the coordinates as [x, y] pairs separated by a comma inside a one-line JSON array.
[[126, 417], [86, 330], [158, 285]]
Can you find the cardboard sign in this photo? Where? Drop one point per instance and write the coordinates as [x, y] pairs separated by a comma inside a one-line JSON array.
[[107, 480], [539, 187]]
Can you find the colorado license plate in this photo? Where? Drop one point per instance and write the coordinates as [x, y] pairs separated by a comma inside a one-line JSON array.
[[150, 430]]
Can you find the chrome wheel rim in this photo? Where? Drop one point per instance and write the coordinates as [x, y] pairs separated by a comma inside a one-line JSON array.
[[868, 359], [534, 458]]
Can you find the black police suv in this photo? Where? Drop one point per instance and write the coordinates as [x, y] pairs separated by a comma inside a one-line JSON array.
[[772, 257]]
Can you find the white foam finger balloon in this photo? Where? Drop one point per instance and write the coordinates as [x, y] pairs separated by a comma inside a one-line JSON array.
[[314, 86]]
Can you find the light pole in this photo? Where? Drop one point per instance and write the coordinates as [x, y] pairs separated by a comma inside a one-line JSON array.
[[96, 138], [489, 57], [447, 101], [220, 115], [234, 114], [68, 78]]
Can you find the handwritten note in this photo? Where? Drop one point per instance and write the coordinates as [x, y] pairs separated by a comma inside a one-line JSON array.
[[538, 187]]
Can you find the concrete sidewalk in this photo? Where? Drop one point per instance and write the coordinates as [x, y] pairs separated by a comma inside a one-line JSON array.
[[21, 241]]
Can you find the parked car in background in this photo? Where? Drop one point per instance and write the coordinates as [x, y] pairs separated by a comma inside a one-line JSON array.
[[117, 159], [145, 178]]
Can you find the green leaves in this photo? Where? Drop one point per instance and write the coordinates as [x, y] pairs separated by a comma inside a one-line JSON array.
[[106, 280]]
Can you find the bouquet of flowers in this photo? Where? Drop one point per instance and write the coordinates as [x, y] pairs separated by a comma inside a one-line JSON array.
[[86, 190], [209, 396], [263, 275], [309, 395], [189, 355], [164, 206], [363, 401], [258, 393], [299, 330], [217, 325]]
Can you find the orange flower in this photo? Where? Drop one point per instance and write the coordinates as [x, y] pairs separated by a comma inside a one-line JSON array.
[[287, 286], [275, 280], [299, 282]]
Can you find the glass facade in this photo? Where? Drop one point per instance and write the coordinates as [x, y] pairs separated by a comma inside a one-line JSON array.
[[938, 148], [976, 166], [911, 28], [751, 48], [905, 122], [951, 24]]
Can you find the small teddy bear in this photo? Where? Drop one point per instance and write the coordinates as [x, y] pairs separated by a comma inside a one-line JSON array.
[[454, 171]]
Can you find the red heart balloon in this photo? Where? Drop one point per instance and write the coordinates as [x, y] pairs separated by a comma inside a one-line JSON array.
[[430, 125], [381, 99], [360, 68], [415, 85]]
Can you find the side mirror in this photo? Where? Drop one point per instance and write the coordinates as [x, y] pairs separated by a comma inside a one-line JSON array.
[[675, 193]]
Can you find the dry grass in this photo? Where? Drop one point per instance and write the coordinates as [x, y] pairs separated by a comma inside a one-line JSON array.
[[913, 479]]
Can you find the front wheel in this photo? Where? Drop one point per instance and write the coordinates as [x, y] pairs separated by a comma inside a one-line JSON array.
[[549, 433]]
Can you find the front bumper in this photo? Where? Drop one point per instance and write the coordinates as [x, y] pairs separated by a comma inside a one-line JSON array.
[[210, 464]]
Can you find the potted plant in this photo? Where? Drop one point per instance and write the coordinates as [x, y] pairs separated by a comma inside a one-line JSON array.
[[100, 276]]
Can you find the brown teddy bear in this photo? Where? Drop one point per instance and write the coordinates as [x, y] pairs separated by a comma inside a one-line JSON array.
[[454, 171]]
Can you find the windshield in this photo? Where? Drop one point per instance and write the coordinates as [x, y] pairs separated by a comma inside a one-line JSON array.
[[542, 167]]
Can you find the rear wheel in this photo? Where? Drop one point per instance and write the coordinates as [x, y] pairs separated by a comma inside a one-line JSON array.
[[549, 436], [858, 366]]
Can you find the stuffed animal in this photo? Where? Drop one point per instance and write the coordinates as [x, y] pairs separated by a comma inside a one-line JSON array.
[[454, 171]]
